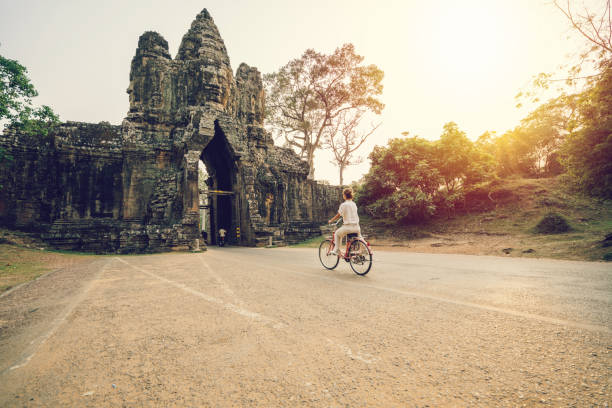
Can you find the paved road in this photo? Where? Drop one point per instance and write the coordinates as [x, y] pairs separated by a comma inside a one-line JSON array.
[[270, 327]]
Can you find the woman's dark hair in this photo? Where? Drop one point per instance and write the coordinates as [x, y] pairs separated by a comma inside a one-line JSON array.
[[348, 193]]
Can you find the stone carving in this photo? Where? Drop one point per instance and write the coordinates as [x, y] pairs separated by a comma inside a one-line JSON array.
[[134, 188]]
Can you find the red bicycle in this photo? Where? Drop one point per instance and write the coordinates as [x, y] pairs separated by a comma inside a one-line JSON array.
[[357, 253]]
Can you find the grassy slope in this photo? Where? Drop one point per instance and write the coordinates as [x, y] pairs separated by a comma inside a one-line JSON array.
[[507, 222], [525, 202]]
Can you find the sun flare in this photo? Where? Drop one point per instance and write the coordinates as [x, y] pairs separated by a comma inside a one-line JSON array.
[[470, 38]]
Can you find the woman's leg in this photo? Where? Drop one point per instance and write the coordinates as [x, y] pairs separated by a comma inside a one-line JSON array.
[[340, 233]]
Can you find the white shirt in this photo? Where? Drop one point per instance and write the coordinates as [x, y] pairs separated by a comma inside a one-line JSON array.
[[222, 233], [348, 211]]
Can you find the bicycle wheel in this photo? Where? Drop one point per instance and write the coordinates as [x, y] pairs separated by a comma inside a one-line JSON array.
[[327, 260], [360, 258]]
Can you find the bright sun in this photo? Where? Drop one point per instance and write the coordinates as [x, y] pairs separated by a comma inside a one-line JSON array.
[[471, 38]]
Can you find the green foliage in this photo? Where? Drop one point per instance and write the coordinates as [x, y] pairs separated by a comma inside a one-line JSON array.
[[412, 179], [16, 93], [36, 122], [532, 149], [15, 88], [16, 109], [460, 162], [571, 133], [587, 152], [406, 205]]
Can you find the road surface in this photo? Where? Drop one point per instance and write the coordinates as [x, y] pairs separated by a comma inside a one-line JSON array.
[[271, 327]]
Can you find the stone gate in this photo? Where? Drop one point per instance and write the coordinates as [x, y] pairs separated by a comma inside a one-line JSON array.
[[134, 187]]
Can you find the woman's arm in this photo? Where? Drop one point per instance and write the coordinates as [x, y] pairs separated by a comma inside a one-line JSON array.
[[335, 218]]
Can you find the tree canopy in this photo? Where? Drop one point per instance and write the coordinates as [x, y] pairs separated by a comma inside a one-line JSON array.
[[412, 179], [308, 96], [16, 93]]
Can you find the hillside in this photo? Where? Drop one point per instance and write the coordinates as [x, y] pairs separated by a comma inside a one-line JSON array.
[[502, 220]]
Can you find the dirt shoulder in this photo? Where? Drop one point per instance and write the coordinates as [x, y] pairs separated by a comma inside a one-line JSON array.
[[506, 225], [481, 244], [24, 258]]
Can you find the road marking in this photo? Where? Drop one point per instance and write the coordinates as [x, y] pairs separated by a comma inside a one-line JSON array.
[[36, 343], [346, 350], [226, 288], [531, 316], [367, 358], [229, 306]]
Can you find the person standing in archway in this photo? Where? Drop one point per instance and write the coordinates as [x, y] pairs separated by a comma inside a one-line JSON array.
[[350, 219], [222, 233]]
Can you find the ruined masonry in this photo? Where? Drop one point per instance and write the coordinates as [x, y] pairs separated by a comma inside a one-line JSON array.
[[134, 187]]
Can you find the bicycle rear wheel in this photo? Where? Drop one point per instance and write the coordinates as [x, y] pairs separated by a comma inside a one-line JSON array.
[[327, 260], [360, 257]]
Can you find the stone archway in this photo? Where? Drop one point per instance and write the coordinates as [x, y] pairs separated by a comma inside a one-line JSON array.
[[222, 186]]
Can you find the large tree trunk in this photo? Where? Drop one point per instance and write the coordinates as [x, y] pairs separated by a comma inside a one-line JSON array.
[[342, 166], [310, 157]]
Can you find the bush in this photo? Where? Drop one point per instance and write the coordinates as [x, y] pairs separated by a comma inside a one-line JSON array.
[[404, 206], [552, 223]]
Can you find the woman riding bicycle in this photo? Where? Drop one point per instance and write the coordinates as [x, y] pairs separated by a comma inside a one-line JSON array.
[[350, 219]]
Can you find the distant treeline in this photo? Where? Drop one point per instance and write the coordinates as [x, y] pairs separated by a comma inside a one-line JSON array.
[[413, 179]]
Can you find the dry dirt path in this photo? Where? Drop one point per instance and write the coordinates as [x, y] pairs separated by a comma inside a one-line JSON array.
[[270, 327]]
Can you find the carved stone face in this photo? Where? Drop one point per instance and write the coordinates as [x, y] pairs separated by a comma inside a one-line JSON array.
[[208, 73], [217, 84]]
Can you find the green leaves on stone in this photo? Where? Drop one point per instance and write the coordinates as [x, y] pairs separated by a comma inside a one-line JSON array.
[[36, 121]]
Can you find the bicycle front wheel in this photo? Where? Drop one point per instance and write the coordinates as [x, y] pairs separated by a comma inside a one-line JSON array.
[[328, 260], [360, 258]]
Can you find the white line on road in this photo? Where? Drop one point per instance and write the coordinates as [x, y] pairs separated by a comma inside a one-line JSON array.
[[531, 316], [36, 343], [368, 359], [229, 306], [226, 288]]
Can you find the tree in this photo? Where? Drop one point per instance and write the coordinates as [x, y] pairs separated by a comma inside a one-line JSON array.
[[587, 151], [16, 93], [412, 179], [594, 26], [401, 184], [532, 148], [458, 159], [545, 130], [344, 140], [309, 94]]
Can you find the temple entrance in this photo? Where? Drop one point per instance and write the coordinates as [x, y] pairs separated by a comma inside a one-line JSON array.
[[216, 186]]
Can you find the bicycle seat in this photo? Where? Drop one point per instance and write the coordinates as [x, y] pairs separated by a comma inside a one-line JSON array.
[[352, 235]]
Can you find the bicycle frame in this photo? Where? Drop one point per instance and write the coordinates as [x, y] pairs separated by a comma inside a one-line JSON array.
[[349, 242]]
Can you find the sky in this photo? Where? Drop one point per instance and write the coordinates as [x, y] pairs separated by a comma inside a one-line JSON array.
[[444, 60]]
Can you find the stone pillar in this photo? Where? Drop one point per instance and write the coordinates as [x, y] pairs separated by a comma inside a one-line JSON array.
[[191, 206]]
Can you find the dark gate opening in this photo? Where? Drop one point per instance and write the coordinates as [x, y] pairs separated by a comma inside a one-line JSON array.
[[220, 184]]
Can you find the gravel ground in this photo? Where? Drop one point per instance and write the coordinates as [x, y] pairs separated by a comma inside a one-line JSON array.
[[271, 327]]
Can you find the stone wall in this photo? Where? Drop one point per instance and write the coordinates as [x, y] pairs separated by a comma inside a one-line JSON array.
[[134, 187]]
